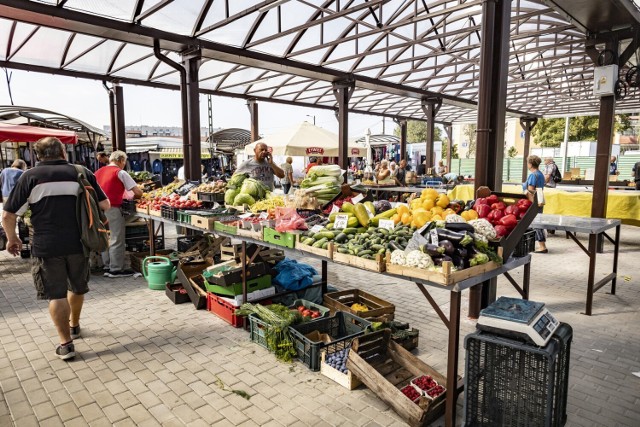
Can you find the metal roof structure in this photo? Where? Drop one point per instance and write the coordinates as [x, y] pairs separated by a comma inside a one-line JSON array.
[[19, 115], [228, 140], [396, 52]]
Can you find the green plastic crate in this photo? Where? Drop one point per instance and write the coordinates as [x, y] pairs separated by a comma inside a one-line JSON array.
[[229, 229], [281, 239], [324, 311], [257, 284], [256, 330], [343, 328], [184, 217]]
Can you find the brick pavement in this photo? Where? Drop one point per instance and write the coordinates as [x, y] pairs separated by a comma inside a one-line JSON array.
[[143, 361]]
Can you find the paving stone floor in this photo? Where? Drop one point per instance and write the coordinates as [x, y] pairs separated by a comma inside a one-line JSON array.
[[144, 361]]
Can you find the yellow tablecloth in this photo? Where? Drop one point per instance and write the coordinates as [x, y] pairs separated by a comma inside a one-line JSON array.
[[623, 205]]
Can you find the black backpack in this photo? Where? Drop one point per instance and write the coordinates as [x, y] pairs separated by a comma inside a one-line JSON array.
[[555, 175]]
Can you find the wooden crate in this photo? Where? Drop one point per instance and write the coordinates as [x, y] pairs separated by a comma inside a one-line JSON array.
[[377, 264], [385, 367], [257, 235], [143, 210], [155, 213], [327, 253], [348, 380], [203, 222], [381, 310], [446, 277]]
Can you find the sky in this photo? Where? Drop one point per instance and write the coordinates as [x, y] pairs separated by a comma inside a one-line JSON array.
[[88, 101]]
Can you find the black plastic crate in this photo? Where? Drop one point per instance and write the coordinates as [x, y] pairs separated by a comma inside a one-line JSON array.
[[343, 328], [513, 383], [128, 207], [136, 231], [186, 242], [211, 197], [169, 213], [526, 245], [141, 244]]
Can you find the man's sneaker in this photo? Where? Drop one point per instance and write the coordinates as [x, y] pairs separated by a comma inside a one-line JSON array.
[[75, 332], [105, 268], [120, 273], [66, 352]]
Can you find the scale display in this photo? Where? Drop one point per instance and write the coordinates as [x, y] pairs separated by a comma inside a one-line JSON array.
[[518, 318]]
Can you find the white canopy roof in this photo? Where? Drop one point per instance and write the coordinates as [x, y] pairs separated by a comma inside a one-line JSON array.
[[305, 139]]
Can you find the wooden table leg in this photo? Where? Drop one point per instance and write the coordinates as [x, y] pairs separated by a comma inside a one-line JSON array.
[[452, 359], [616, 250], [593, 243], [325, 277], [152, 238], [244, 271]]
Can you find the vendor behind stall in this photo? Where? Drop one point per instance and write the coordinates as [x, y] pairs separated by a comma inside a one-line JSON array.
[[261, 166]]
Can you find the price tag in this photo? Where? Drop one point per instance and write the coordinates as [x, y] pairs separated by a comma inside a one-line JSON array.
[[357, 198], [263, 215], [316, 228], [434, 236], [341, 222], [335, 209], [386, 223], [245, 215]]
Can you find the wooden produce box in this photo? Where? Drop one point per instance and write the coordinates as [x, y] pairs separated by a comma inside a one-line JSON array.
[[155, 213], [327, 253], [447, 277], [377, 264], [173, 293], [381, 310], [385, 367], [348, 380], [190, 275], [144, 210], [509, 243], [203, 222], [250, 233]]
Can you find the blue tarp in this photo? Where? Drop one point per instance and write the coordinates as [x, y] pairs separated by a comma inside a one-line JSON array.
[[293, 275]]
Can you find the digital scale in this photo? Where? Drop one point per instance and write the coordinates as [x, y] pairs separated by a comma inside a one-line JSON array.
[[521, 319]]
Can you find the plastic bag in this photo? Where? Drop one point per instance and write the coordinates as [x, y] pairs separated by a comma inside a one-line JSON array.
[[287, 219]]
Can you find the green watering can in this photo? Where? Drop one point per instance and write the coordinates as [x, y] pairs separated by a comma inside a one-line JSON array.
[[158, 270]]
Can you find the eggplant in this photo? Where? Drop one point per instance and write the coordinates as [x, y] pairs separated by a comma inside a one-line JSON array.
[[448, 247], [452, 236], [438, 261], [469, 205], [432, 250], [461, 252], [427, 228], [458, 262], [459, 227]]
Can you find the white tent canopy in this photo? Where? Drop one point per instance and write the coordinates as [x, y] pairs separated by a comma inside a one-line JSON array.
[[305, 139]]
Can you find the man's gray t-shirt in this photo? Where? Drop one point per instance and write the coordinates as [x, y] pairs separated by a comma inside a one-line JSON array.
[[260, 171], [286, 167]]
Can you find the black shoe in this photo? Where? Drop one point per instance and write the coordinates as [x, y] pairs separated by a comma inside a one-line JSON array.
[[66, 352], [75, 332], [120, 273]]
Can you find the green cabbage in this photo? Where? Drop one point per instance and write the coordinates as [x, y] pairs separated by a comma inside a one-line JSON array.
[[243, 199], [254, 188], [229, 196], [236, 180]]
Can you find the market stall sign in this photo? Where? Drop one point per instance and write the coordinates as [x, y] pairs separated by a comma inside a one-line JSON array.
[[180, 155], [355, 151], [341, 222], [315, 150]]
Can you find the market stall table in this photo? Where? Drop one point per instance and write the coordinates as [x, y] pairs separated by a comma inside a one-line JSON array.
[[594, 227], [454, 386]]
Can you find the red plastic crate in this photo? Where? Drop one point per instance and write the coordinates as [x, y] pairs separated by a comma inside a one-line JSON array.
[[224, 310]]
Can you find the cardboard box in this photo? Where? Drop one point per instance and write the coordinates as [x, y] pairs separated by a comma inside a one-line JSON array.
[[190, 275], [203, 222]]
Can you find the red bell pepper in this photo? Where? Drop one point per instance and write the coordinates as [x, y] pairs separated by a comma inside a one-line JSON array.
[[509, 221], [492, 199], [501, 230], [523, 204], [499, 206], [512, 210], [494, 216], [481, 201], [483, 210]]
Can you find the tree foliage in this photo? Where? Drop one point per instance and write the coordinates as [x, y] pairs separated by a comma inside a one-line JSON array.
[[550, 132], [454, 149], [469, 131], [512, 152], [417, 131]]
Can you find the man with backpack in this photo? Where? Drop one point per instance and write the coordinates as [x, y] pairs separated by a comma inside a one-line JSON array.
[[114, 180], [551, 173], [60, 265]]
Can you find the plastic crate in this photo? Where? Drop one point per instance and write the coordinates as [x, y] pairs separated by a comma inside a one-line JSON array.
[[526, 245], [128, 207], [187, 242], [256, 330], [324, 311], [136, 230], [169, 213], [141, 244], [513, 383], [234, 289], [342, 328], [224, 310], [210, 197], [281, 239]]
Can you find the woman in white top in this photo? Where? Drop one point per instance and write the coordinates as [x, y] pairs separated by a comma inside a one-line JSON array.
[[393, 168]]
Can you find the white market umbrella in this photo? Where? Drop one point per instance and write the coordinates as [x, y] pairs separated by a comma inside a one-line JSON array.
[[305, 139]]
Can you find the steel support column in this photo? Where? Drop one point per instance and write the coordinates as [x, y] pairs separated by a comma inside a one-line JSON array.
[[343, 91], [402, 124], [492, 99], [121, 138], [192, 163], [112, 116], [527, 124], [603, 149], [449, 130], [430, 107], [492, 93], [252, 104]]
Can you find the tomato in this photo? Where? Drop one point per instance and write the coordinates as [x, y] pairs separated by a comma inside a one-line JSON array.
[[306, 313], [315, 315], [301, 308]]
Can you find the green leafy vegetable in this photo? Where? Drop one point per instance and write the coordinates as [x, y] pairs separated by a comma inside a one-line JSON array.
[[254, 188], [243, 199], [230, 195], [236, 180]]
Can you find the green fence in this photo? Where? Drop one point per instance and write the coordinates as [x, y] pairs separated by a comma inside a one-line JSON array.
[[512, 168]]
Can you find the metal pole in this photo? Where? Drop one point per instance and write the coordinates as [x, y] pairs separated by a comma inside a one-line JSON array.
[[492, 96], [449, 130], [342, 91], [112, 117], [527, 124], [403, 138], [192, 163], [121, 141], [252, 104], [565, 148], [430, 135], [603, 155]]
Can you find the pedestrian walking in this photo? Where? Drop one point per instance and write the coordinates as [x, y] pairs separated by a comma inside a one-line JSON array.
[[60, 267], [534, 181]]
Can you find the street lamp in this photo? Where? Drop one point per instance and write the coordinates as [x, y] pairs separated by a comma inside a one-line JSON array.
[[314, 118]]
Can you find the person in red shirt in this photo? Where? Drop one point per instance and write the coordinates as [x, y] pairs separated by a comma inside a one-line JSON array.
[[114, 180]]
